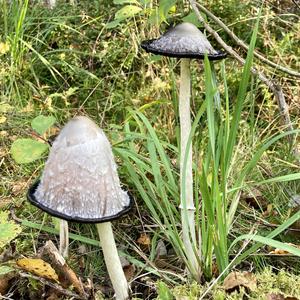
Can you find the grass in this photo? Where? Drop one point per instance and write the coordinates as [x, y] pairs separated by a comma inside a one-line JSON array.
[[66, 62]]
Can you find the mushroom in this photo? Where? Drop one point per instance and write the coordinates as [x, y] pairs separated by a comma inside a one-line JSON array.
[[185, 41], [80, 183], [63, 238]]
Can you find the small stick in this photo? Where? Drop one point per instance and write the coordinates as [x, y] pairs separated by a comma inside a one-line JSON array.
[[50, 254], [52, 285], [244, 45], [272, 85]]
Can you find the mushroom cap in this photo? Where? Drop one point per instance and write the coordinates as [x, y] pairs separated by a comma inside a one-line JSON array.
[[80, 180], [183, 41]]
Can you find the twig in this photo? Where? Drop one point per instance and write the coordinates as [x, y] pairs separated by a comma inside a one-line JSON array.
[[52, 285], [272, 85], [50, 254], [244, 45], [6, 298], [295, 2]]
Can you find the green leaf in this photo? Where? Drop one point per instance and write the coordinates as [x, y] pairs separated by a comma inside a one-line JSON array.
[[121, 2], [164, 292], [192, 18], [113, 24], [270, 242], [26, 151], [5, 107], [8, 229], [42, 123], [164, 8], [127, 11], [5, 270]]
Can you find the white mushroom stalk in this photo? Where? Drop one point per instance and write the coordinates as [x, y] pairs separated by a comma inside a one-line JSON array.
[[112, 261], [186, 178], [80, 183], [63, 238]]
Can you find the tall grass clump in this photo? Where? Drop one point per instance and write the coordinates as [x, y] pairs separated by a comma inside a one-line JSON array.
[[217, 184], [13, 15]]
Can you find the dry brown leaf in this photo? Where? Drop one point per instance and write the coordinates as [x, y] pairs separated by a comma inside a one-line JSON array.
[[4, 202], [161, 249], [254, 198], [144, 240], [2, 119], [279, 251], [4, 282], [18, 187], [3, 133], [274, 296], [38, 267], [235, 280], [129, 271]]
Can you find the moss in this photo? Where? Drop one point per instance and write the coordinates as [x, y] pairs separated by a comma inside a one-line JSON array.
[[267, 282]]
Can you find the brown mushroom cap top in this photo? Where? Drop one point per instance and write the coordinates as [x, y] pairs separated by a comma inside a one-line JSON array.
[[184, 41], [80, 180]]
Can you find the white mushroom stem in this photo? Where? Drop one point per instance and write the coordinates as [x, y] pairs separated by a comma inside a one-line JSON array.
[[63, 238], [186, 187], [112, 261]]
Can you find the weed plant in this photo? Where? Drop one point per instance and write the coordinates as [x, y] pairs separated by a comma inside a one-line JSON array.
[[217, 189], [66, 61]]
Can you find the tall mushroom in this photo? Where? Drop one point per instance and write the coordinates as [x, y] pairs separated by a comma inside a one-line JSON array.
[[80, 183], [185, 41]]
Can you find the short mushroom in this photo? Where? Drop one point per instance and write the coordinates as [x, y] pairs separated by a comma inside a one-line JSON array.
[[185, 41], [80, 183]]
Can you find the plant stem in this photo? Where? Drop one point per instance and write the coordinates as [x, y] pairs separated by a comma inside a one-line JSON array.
[[112, 260], [186, 172], [63, 238]]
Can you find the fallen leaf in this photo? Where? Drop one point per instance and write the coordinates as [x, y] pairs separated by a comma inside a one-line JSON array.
[[38, 267], [4, 202], [18, 187], [161, 250], [3, 133], [5, 107], [144, 239], [129, 271], [279, 251], [42, 123], [8, 229], [27, 150], [254, 198], [67, 276], [6, 274], [4, 47], [28, 108], [235, 280], [273, 296]]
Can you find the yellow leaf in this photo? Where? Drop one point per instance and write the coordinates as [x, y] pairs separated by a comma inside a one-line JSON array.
[[2, 119], [38, 267], [144, 240], [4, 47]]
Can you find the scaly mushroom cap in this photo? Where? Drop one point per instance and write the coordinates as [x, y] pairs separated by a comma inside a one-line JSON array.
[[184, 41], [80, 180]]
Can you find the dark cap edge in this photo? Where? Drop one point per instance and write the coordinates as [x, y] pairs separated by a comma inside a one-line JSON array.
[[32, 199], [146, 46]]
